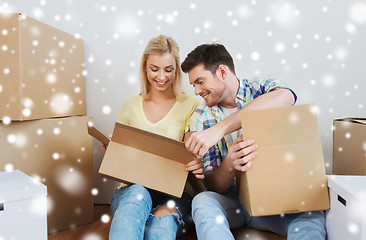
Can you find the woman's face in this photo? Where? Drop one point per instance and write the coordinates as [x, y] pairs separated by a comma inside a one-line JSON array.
[[160, 70]]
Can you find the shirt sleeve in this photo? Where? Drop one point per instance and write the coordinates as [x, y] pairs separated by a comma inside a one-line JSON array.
[[211, 159], [262, 85], [122, 117]]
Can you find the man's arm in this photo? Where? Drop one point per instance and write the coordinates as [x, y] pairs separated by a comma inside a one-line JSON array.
[[200, 142], [239, 158]]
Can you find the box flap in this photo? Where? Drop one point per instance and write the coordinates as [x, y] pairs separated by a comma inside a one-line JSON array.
[[151, 142], [352, 120], [92, 131], [16, 186], [283, 123]]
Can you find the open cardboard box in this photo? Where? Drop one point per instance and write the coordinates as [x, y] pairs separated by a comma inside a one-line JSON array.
[[151, 160], [288, 174], [349, 146]]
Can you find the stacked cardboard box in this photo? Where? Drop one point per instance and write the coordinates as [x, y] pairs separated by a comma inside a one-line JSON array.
[[42, 127], [346, 218], [349, 146]]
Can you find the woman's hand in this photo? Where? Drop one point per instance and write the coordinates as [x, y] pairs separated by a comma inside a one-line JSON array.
[[196, 167]]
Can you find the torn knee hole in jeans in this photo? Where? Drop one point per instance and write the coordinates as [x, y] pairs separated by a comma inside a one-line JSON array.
[[175, 215]]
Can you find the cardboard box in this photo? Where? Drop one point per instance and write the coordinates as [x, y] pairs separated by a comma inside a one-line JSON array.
[[346, 218], [57, 151], [23, 207], [349, 146], [154, 161], [288, 174], [41, 70]]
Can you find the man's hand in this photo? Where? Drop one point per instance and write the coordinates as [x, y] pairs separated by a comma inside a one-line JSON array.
[[199, 142], [241, 154], [196, 166]]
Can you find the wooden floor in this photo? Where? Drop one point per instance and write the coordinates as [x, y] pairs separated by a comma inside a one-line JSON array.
[[98, 230]]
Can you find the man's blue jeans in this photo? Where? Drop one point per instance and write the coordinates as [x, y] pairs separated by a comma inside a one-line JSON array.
[[214, 214], [132, 209]]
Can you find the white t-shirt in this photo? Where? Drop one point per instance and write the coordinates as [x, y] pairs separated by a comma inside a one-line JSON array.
[[227, 112]]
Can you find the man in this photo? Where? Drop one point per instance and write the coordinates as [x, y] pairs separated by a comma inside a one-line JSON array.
[[211, 71]]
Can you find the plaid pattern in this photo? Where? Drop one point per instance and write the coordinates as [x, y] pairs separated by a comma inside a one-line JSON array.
[[205, 117]]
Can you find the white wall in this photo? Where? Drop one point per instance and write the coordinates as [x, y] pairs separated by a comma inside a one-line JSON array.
[[317, 47]]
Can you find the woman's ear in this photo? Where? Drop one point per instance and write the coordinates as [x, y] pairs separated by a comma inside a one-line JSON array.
[[222, 72]]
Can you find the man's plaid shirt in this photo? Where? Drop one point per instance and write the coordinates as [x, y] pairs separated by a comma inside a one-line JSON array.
[[205, 117]]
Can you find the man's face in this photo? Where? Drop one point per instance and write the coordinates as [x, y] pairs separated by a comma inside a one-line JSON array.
[[207, 85]]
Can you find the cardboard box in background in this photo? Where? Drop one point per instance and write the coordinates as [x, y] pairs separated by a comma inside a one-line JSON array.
[[346, 218], [23, 207], [154, 161], [349, 146], [41, 70], [288, 174], [58, 152]]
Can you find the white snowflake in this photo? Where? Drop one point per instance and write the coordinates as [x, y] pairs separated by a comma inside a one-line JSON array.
[[171, 204], [37, 12], [219, 219], [92, 236], [73, 182], [94, 191], [328, 80], [279, 47], [285, 15], [105, 218], [9, 167], [244, 11], [357, 12], [353, 228], [60, 103], [106, 109], [6, 120], [56, 156], [255, 56]]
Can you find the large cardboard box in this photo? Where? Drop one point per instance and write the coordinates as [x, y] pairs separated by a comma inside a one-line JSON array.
[[288, 174], [346, 218], [41, 73], [23, 207], [154, 161], [349, 146], [58, 152]]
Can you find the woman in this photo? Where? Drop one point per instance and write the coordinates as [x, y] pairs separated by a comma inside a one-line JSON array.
[[162, 108]]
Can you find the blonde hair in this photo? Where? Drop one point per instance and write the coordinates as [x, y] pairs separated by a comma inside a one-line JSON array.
[[160, 45]]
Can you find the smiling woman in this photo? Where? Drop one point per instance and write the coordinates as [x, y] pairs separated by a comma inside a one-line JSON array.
[[163, 109]]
